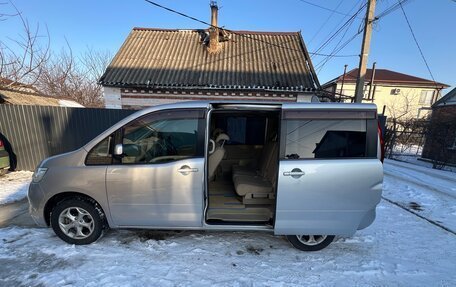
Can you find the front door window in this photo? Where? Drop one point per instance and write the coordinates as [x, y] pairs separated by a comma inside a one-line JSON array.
[[163, 137]]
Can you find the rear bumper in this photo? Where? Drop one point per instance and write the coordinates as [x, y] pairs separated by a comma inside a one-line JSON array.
[[36, 204], [367, 219]]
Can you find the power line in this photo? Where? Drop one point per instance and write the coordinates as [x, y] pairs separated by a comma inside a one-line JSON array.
[[392, 8], [323, 62], [325, 22], [336, 48], [324, 8], [341, 28], [236, 33], [417, 44], [384, 13]]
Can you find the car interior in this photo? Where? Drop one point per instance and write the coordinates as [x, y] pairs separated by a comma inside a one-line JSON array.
[[242, 166]]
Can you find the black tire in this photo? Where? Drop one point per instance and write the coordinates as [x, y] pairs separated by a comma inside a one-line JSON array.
[[96, 217], [299, 244]]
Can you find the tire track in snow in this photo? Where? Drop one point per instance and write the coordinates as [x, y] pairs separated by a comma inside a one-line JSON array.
[[410, 166], [419, 215], [417, 183]]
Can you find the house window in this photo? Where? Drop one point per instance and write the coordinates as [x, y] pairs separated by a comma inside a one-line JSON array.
[[426, 97]]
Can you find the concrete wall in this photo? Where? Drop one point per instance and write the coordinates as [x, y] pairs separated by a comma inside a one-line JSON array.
[[112, 98]]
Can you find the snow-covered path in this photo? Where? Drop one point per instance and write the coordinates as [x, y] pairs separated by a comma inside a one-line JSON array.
[[428, 192]]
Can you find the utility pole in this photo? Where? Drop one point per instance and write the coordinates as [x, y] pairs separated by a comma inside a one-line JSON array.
[[359, 92]]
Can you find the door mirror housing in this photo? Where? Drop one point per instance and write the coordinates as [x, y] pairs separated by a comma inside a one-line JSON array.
[[118, 150]]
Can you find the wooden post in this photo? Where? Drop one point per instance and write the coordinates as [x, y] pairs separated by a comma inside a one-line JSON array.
[[369, 95], [343, 81]]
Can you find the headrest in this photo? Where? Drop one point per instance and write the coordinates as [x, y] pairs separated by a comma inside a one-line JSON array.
[[222, 137]]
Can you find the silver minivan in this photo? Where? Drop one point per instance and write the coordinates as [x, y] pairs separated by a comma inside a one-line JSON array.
[[308, 171]]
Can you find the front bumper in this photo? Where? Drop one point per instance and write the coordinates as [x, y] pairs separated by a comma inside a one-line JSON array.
[[36, 204]]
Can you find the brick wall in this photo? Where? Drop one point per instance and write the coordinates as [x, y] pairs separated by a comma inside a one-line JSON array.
[[441, 135]]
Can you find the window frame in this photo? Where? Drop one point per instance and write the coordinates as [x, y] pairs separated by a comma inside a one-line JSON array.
[[200, 141], [427, 93], [118, 135], [331, 115], [110, 151]]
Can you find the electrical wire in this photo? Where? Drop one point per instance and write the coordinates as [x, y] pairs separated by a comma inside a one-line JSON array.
[[333, 11], [322, 63], [340, 29], [384, 13], [417, 44], [239, 34]]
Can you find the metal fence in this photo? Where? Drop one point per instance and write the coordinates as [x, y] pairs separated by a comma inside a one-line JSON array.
[[37, 132]]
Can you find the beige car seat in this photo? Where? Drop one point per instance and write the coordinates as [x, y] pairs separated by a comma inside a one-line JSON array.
[[216, 157]]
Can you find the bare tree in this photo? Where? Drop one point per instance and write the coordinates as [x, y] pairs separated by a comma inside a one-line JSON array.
[[22, 58], [75, 78], [27, 59], [403, 130]]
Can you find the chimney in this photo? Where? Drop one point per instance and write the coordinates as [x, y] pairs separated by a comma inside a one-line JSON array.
[[214, 45]]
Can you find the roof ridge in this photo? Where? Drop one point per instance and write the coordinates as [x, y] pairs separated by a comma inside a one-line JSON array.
[[204, 29], [393, 77]]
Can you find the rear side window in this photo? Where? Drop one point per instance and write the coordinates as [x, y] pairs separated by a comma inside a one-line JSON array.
[[325, 139]]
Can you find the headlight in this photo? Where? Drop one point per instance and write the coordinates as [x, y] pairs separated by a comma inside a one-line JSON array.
[[39, 174]]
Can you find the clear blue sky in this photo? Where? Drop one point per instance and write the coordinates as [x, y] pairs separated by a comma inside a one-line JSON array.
[[105, 24]]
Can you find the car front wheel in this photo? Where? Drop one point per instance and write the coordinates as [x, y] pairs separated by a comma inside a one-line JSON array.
[[310, 242], [77, 221]]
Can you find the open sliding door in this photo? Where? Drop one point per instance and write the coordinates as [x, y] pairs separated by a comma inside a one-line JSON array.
[[330, 178]]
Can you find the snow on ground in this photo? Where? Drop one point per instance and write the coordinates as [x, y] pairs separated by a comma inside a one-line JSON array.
[[14, 186], [399, 249], [416, 160], [429, 192]]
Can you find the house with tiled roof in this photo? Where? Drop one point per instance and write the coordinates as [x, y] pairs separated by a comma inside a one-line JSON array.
[[156, 66], [399, 95]]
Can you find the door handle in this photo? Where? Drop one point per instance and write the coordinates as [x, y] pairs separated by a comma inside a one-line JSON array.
[[294, 173], [185, 170]]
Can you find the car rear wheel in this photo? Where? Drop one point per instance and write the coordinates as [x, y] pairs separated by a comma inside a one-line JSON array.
[[310, 242], [77, 221]]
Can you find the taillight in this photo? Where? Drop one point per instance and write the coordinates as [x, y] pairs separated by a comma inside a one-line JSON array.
[[1, 143], [382, 143]]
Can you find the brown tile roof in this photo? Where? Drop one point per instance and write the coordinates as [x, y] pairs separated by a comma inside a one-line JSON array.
[[387, 77], [178, 58]]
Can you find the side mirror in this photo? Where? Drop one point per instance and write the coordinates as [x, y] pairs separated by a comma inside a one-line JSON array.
[[118, 150]]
